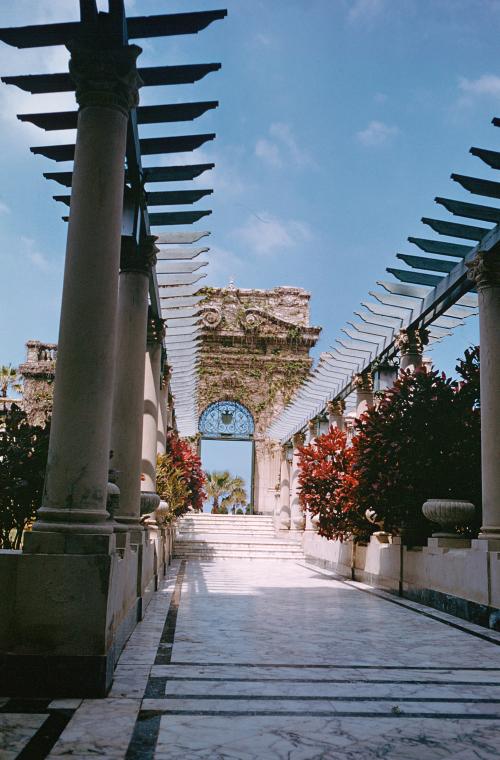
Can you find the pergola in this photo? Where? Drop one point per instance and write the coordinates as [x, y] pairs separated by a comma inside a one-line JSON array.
[[172, 283], [432, 293]]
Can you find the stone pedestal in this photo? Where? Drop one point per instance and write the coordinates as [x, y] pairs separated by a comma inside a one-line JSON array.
[[485, 271], [297, 519]]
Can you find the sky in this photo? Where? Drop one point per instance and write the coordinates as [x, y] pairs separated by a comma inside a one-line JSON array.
[[233, 455], [339, 122]]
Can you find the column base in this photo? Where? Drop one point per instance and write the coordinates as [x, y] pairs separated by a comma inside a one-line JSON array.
[[487, 542], [70, 542]]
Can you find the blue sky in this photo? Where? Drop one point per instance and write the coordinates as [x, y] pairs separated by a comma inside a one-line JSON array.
[[233, 455], [339, 121]]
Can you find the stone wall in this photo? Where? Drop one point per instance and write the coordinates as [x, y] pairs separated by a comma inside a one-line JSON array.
[[38, 372], [463, 581], [255, 350]]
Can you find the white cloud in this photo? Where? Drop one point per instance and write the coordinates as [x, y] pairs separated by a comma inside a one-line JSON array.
[[265, 234], [380, 98], [283, 149], [224, 265], [362, 10], [268, 152], [487, 85], [34, 255], [376, 134], [4, 209]]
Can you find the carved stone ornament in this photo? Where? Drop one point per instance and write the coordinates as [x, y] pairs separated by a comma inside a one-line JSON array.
[[336, 408], [138, 258], [412, 341], [105, 77], [298, 440], [211, 317], [484, 269], [250, 320], [363, 382]]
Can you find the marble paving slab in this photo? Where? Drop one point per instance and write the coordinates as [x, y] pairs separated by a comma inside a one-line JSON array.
[[16, 729]]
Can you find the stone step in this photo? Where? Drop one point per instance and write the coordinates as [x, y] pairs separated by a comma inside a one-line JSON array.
[[241, 554]]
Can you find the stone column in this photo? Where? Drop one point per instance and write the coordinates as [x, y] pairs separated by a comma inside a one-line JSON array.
[[284, 513], [128, 403], [163, 412], [149, 497], [364, 392], [297, 519], [411, 347], [74, 500], [485, 271], [336, 411]]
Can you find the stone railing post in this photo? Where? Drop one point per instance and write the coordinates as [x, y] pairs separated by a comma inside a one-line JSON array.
[[297, 520], [284, 509], [336, 411], [74, 500], [411, 345], [484, 270], [364, 392], [149, 498], [128, 403]]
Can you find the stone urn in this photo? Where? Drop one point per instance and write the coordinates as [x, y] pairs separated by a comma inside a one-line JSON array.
[[449, 514], [381, 535], [315, 523]]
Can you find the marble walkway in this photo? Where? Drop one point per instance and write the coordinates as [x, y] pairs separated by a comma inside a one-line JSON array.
[[257, 659]]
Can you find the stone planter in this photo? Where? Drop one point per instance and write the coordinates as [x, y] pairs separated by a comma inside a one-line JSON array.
[[449, 514], [315, 523]]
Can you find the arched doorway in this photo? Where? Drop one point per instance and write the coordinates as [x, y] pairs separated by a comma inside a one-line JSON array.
[[229, 422]]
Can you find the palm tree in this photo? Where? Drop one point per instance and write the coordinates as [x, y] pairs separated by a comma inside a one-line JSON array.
[[221, 486], [9, 378]]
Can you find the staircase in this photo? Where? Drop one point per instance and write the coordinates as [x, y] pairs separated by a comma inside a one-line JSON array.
[[206, 536]]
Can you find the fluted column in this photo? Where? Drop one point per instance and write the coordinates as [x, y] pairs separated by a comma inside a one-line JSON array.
[[74, 500], [149, 497], [485, 271], [336, 411], [297, 520], [411, 345], [128, 403], [284, 514], [364, 392]]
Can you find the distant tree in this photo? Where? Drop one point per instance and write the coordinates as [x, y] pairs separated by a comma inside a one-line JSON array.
[[224, 489], [9, 378], [23, 459]]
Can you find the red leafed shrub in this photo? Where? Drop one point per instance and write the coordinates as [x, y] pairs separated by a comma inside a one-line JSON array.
[[421, 442], [188, 462], [326, 486]]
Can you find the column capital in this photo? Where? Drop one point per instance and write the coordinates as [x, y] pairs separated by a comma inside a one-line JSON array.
[[363, 382], [484, 269], [298, 440], [412, 341], [105, 77], [136, 257], [336, 408]]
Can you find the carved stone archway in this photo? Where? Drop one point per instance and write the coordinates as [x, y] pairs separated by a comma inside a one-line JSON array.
[[255, 351]]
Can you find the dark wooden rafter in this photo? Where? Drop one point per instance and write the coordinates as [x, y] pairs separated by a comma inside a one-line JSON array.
[[148, 146], [139, 27], [161, 114], [149, 173], [39, 84]]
